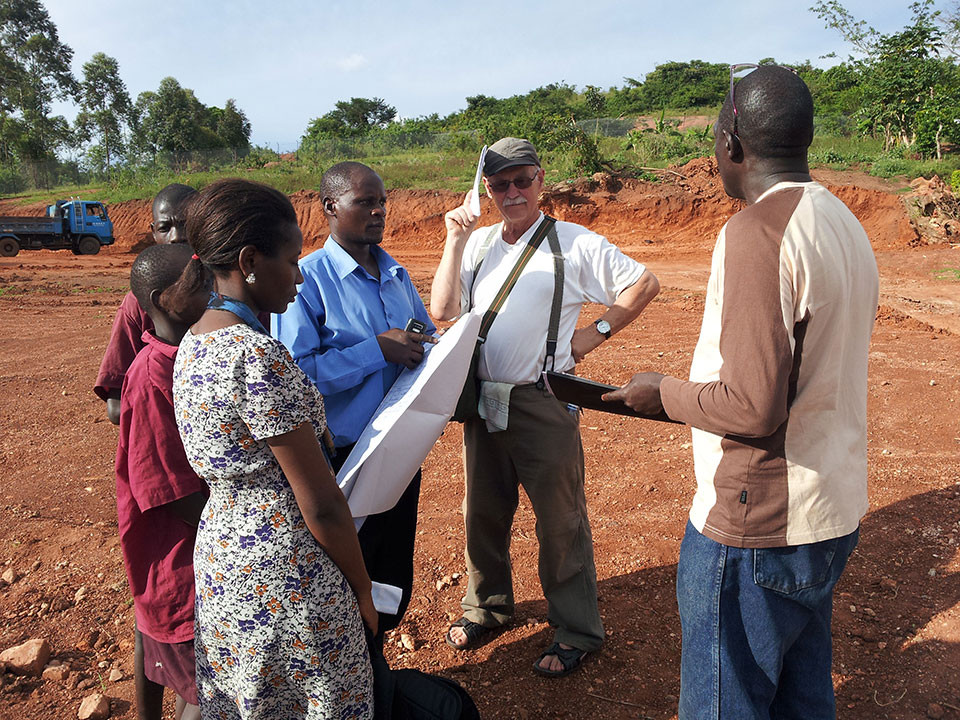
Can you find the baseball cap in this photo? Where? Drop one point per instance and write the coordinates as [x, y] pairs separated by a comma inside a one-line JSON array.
[[509, 152]]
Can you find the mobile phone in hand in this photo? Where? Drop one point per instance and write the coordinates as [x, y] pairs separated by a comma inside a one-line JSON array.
[[417, 326]]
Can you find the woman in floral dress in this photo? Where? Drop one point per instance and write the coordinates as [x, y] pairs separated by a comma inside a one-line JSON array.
[[282, 592]]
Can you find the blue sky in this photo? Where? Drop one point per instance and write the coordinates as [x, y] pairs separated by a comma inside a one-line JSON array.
[[286, 62]]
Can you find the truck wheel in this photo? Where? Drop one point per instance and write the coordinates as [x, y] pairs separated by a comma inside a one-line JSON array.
[[9, 247], [88, 245]]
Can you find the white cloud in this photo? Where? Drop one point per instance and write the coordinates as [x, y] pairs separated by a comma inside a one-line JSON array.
[[352, 62]]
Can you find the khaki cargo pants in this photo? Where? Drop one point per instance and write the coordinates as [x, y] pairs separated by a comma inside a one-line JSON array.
[[541, 451]]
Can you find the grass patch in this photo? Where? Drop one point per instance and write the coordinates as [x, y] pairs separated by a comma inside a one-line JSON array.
[[840, 153], [947, 274]]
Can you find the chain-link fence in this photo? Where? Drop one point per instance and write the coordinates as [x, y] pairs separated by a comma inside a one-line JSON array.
[[608, 127], [29, 174]]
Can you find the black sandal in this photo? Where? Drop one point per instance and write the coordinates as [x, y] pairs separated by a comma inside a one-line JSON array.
[[570, 659], [476, 633]]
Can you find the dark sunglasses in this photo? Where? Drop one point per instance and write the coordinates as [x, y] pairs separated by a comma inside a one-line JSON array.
[[734, 69], [522, 183]]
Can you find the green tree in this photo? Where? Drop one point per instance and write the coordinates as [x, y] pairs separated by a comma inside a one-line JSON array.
[[674, 85], [837, 96], [595, 101], [904, 75], [168, 120], [351, 118], [904, 81], [233, 128], [35, 69], [938, 120], [537, 115], [685, 85], [174, 121], [206, 121], [105, 108]]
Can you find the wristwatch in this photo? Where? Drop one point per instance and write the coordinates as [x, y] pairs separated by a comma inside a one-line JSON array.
[[603, 327]]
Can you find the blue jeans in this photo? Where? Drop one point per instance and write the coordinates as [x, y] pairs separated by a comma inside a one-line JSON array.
[[756, 628]]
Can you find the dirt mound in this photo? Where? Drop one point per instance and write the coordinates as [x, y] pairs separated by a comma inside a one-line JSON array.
[[887, 315], [883, 216], [11, 206], [682, 214], [677, 215], [934, 210], [131, 225], [881, 212]]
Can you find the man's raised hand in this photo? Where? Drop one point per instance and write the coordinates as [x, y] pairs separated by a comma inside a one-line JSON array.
[[461, 221]]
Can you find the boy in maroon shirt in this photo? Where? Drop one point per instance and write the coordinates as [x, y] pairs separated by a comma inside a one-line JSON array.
[[130, 322], [159, 497]]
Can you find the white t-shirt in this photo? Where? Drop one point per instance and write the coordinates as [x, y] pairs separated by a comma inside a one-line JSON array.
[[594, 271]]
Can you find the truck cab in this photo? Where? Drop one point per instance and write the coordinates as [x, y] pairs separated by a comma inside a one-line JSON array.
[[85, 218], [82, 226]]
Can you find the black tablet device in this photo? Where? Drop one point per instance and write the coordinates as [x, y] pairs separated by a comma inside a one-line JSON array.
[[586, 394]]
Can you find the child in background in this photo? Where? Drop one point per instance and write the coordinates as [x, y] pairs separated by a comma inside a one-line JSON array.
[[169, 218], [159, 497]]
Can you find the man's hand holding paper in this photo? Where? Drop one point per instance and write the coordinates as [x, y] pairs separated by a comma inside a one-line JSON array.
[[403, 347]]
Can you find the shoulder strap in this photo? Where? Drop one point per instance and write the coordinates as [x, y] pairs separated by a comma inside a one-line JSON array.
[[529, 249], [553, 330]]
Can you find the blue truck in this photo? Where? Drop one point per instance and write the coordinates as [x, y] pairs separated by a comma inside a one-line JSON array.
[[82, 226]]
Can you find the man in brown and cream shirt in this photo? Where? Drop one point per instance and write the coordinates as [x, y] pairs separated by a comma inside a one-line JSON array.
[[777, 399]]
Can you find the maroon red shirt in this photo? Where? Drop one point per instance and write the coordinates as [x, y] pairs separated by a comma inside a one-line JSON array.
[[152, 470], [126, 341]]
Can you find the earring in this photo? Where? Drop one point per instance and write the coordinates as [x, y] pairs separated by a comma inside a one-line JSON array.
[[251, 279]]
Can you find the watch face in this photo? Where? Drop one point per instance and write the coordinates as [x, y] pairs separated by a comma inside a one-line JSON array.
[[603, 327]]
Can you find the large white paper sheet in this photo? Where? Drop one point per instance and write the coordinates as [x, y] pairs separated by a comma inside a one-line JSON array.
[[408, 422]]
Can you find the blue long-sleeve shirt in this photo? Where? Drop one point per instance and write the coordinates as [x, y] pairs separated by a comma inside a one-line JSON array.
[[331, 329]]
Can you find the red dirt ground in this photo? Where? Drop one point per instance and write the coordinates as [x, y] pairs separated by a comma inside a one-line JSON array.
[[897, 616]]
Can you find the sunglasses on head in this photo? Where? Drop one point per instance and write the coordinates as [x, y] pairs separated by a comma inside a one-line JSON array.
[[740, 67], [522, 182]]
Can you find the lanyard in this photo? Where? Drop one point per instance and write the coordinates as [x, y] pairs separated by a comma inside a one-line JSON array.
[[238, 308]]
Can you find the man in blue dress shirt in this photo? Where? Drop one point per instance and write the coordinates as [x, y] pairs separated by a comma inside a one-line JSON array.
[[345, 330]]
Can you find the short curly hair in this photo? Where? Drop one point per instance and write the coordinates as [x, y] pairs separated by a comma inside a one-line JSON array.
[[339, 178], [157, 268], [774, 113]]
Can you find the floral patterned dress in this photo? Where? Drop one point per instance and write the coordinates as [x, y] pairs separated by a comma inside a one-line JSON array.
[[278, 629]]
